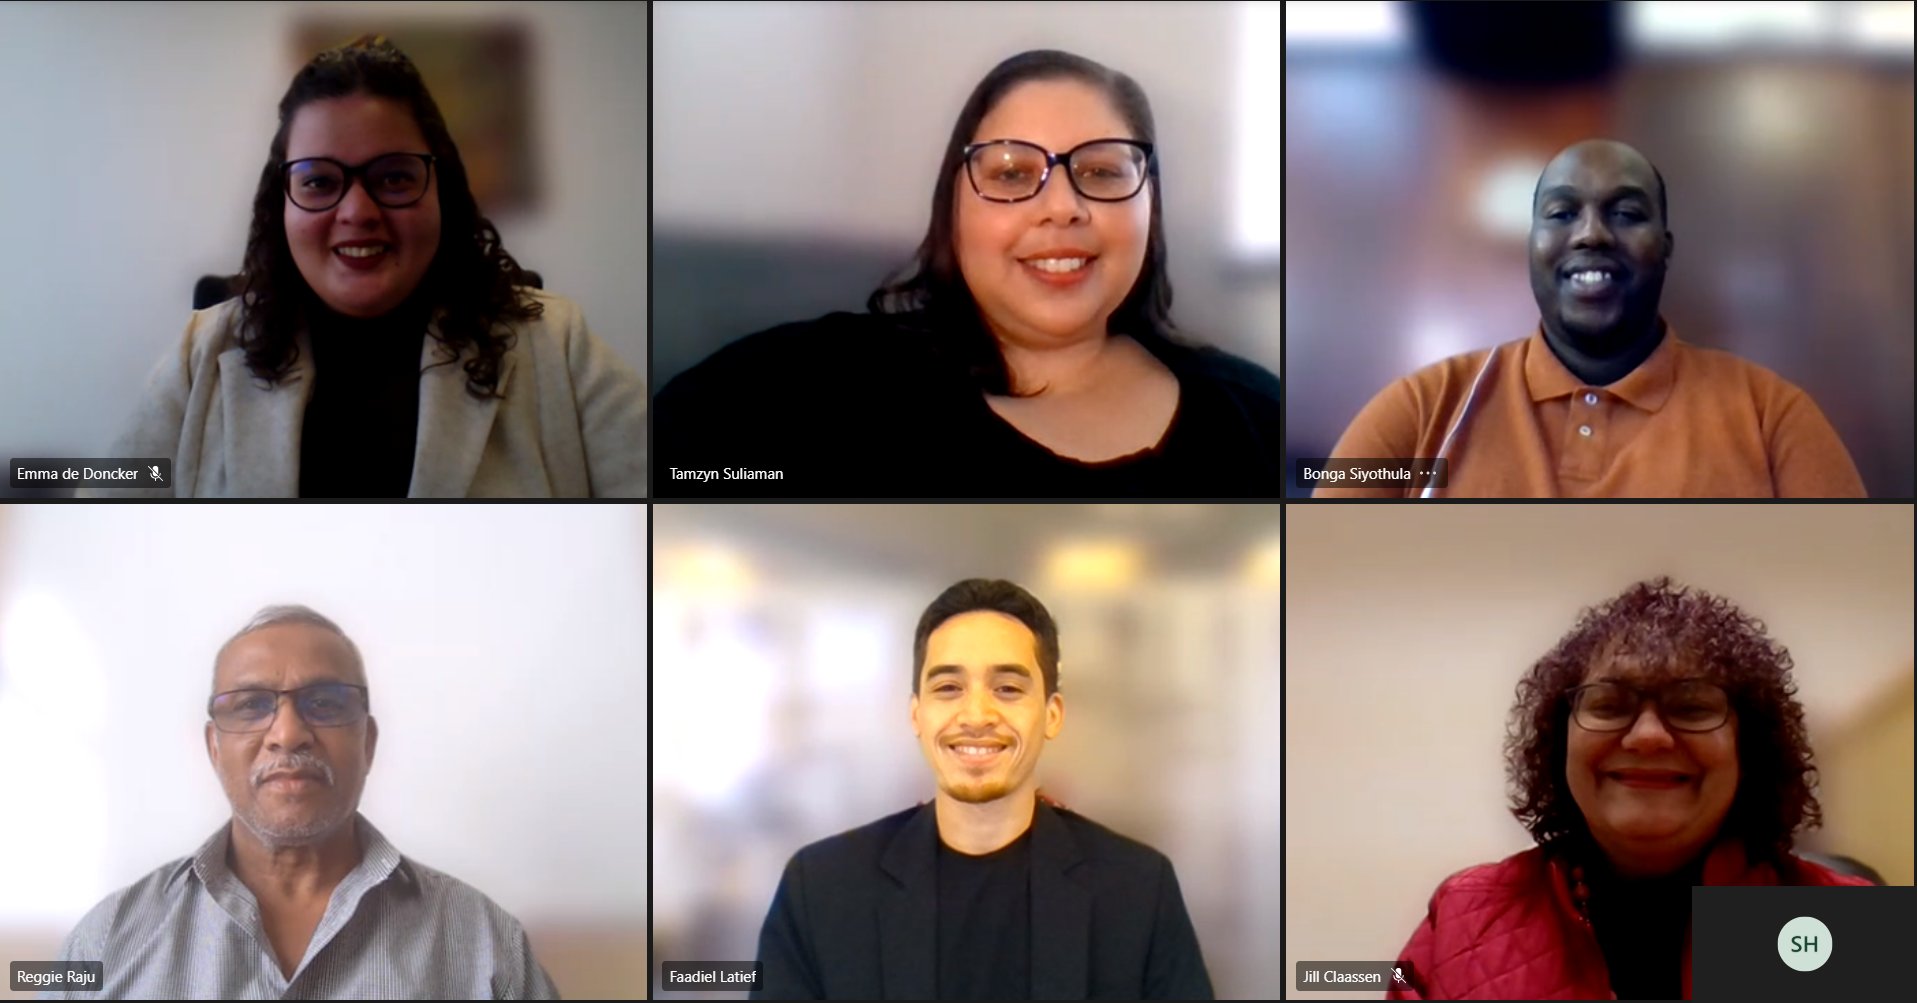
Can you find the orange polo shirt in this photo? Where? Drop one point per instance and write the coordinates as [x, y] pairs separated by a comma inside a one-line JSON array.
[[1688, 422]]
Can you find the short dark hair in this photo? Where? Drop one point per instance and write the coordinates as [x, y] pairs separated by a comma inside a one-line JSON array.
[[996, 596], [931, 289], [1664, 627]]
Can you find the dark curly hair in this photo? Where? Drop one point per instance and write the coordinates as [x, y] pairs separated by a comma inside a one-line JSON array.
[[471, 284], [930, 293], [1665, 629]]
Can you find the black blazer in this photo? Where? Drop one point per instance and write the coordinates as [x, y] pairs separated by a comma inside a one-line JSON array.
[[856, 916]]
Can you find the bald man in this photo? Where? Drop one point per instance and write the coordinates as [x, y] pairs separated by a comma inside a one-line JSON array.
[[297, 896], [1603, 399]]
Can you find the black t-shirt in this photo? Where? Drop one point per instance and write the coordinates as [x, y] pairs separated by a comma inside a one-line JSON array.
[[863, 406], [1641, 926], [985, 923], [362, 419]]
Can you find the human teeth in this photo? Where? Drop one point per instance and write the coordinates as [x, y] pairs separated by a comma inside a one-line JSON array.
[[976, 750], [1590, 277], [361, 252], [1058, 265]]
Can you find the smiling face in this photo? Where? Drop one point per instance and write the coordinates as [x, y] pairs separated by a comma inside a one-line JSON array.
[[1599, 245], [981, 712], [1652, 796], [1053, 268], [332, 247], [292, 784]]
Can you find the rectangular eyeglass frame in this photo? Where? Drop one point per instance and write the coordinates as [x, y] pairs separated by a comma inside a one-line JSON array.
[[1053, 160]]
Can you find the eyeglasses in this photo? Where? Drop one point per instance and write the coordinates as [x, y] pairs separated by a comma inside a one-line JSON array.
[[395, 180], [322, 705], [1103, 170], [1688, 705]]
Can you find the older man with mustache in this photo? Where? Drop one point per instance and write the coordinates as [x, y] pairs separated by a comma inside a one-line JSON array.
[[298, 896]]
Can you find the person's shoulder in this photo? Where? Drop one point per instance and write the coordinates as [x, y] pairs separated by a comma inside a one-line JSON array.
[[1240, 376], [1468, 888], [556, 321], [165, 881], [1801, 871], [454, 900], [553, 308], [559, 329], [1405, 409], [212, 331], [1100, 843], [1461, 368], [1723, 368], [146, 900]]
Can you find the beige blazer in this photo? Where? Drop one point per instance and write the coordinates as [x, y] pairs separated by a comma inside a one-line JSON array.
[[570, 421]]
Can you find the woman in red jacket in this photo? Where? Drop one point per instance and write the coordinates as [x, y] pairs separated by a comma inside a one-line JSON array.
[[1658, 746]]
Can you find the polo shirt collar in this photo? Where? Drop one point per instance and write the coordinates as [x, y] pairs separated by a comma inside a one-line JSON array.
[[1647, 388]]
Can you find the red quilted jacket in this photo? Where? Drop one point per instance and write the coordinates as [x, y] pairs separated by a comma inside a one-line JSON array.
[[1510, 930]]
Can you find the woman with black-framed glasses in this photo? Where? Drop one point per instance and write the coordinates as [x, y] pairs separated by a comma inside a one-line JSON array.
[[382, 343], [1659, 746], [1028, 350]]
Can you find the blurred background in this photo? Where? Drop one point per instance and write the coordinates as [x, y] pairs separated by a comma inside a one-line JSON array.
[[503, 650], [796, 147], [1415, 132], [137, 132], [1408, 628], [782, 668]]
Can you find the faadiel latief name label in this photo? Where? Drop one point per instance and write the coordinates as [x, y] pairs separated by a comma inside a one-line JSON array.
[[709, 976]]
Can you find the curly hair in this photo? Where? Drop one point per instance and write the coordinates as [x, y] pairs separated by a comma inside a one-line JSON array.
[[1663, 629], [471, 284]]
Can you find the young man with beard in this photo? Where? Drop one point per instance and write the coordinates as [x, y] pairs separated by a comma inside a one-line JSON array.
[[1603, 399], [988, 892]]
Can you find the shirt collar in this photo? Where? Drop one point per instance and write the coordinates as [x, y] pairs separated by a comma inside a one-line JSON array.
[[379, 859], [1647, 388]]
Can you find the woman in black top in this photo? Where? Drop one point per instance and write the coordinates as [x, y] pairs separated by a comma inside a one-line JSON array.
[[1027, 351]]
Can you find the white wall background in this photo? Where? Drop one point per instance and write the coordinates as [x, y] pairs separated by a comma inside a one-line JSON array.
[[824, 121], [134, 136], [1408, 627], [505, 649]]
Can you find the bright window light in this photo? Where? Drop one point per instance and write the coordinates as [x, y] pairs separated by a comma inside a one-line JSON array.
[[1375, 24], [1879, 28], [1656, 24], [1870, 27]]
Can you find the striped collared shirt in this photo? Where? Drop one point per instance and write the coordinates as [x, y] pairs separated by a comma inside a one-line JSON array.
[[394, 929]]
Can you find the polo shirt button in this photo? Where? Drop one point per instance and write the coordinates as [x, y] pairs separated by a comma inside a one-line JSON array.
[[1591, 398], [1585, 430]]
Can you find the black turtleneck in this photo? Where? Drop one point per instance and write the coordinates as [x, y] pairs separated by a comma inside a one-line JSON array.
[[362, 420], [1641, 925]]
